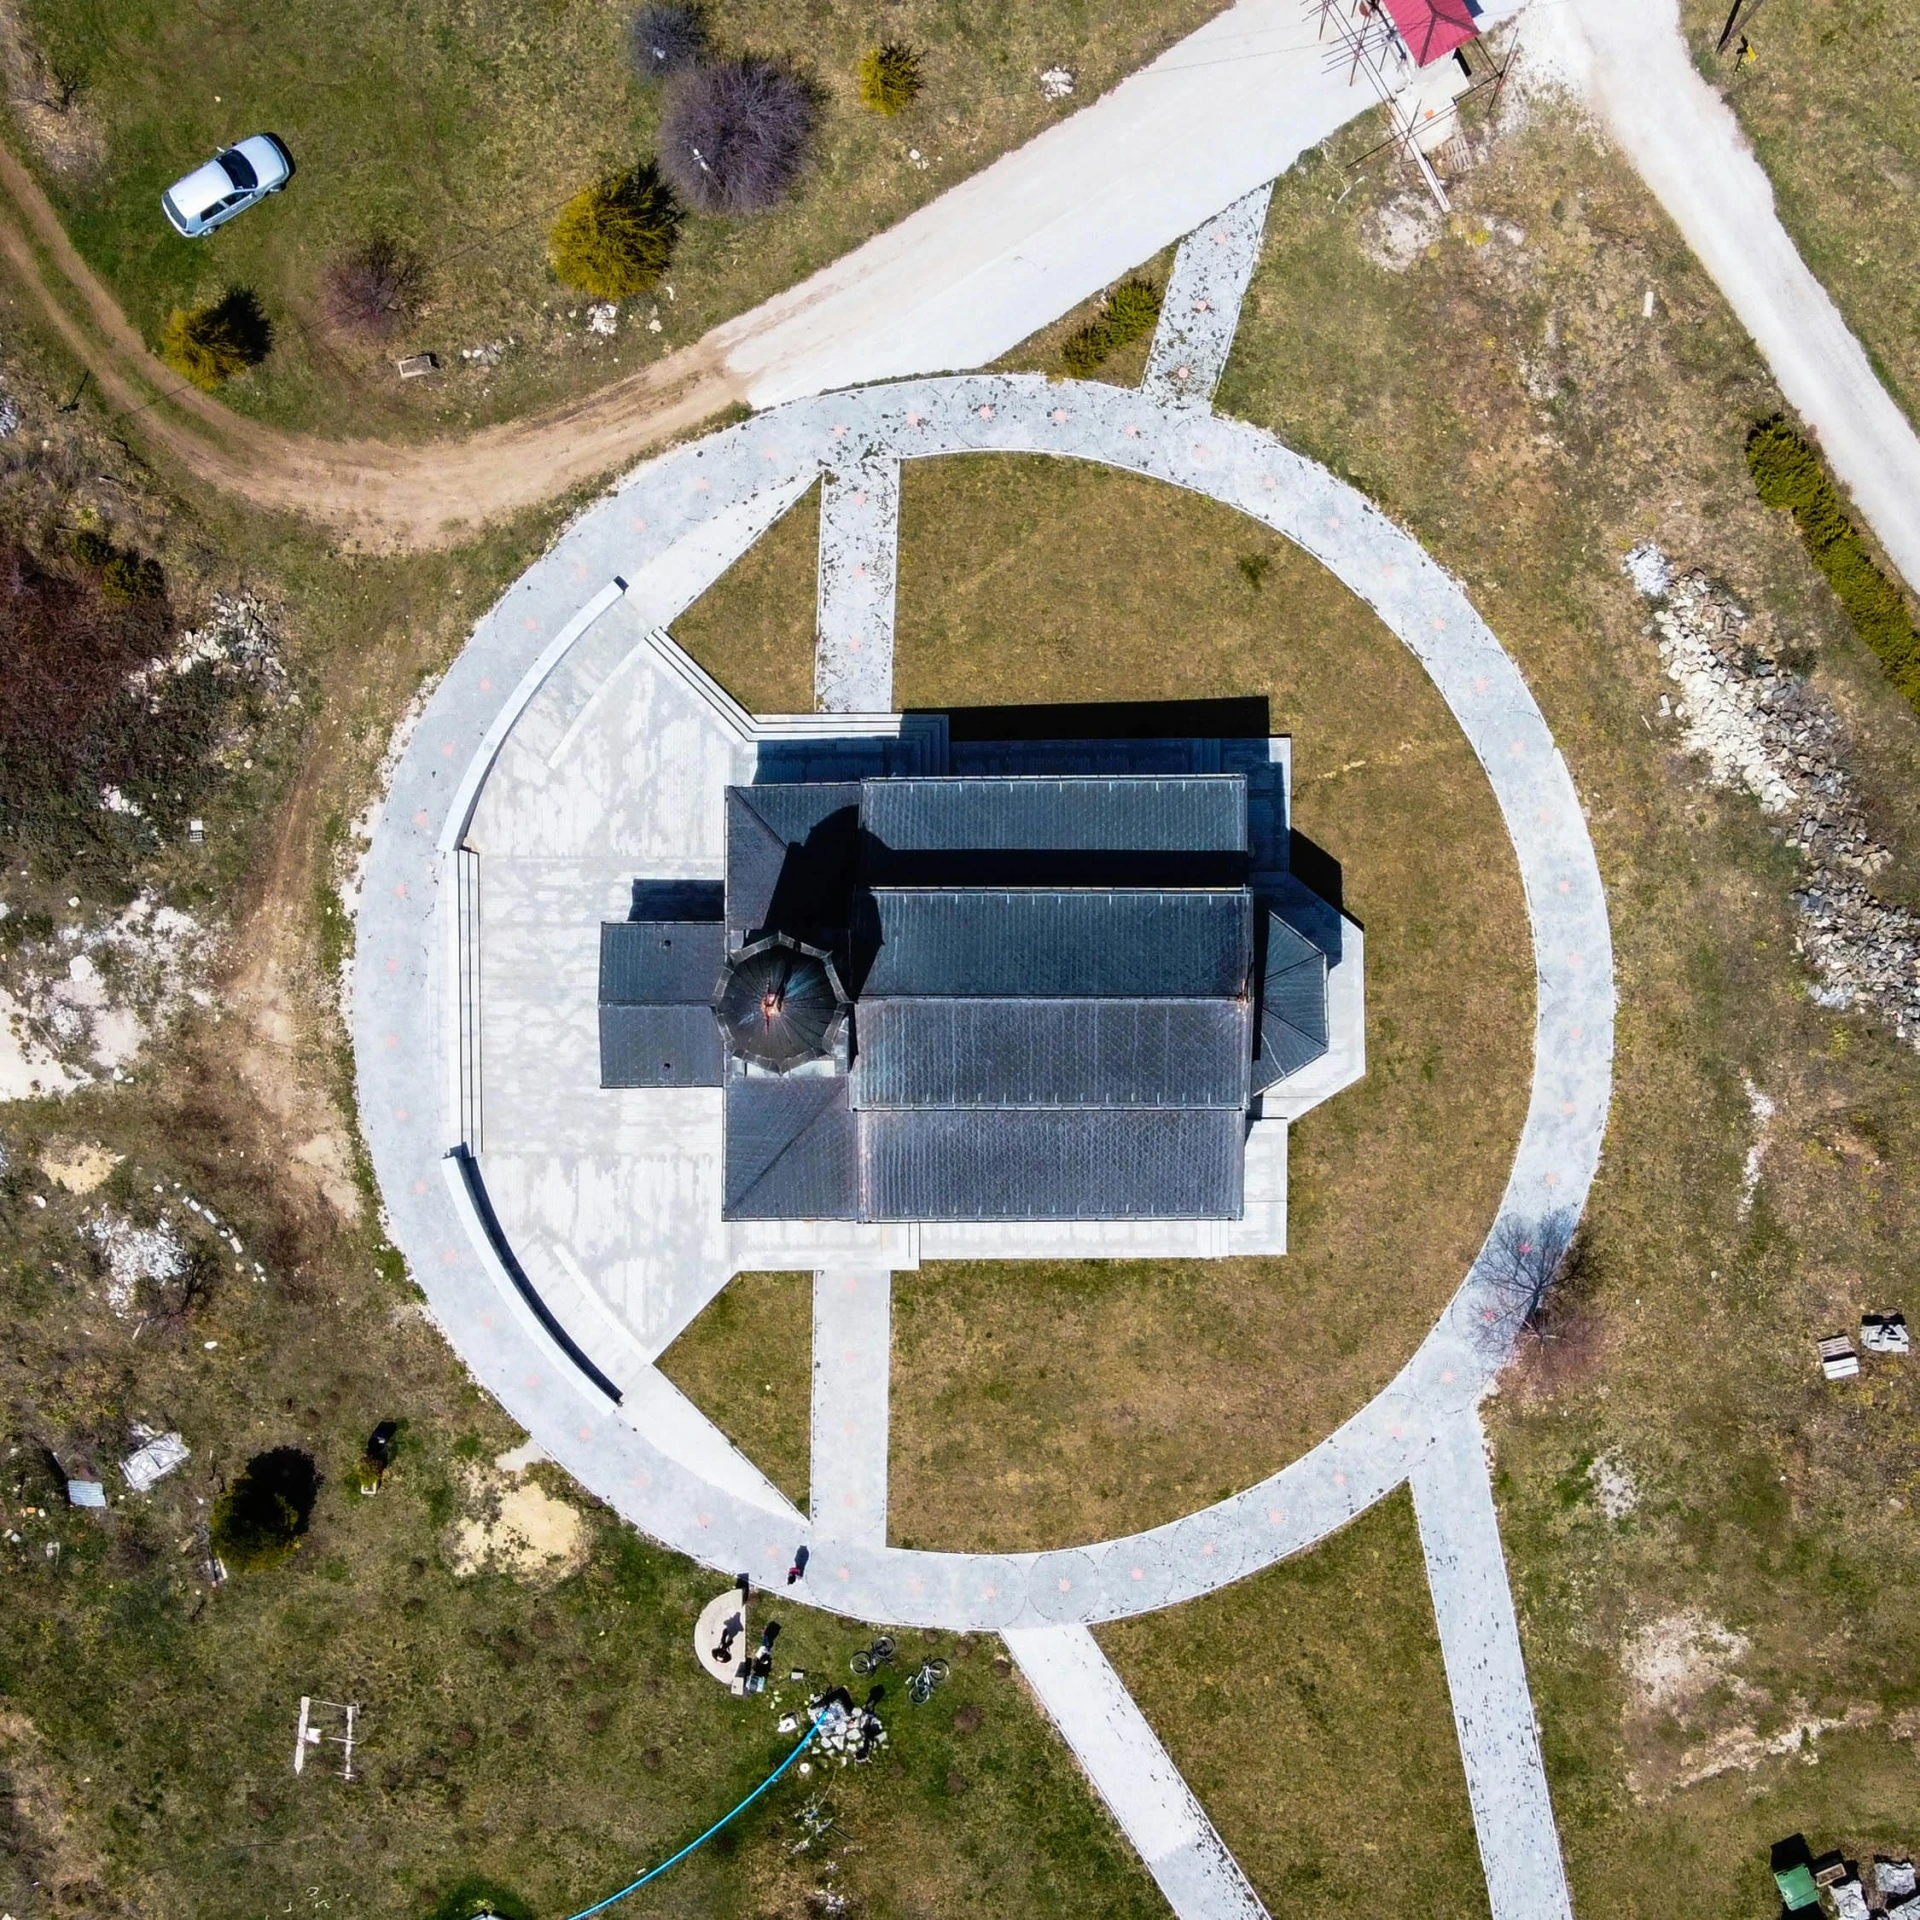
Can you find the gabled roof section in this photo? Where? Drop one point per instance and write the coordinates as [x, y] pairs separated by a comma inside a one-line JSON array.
[[1054, 1053], [1135, 814], [791, 1153], [1045, 943], [789, 855], [677, 1046], [947, 1163], [1293, 1004]]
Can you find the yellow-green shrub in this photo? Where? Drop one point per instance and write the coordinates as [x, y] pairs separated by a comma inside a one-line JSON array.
[[890, 77], [614, 238]]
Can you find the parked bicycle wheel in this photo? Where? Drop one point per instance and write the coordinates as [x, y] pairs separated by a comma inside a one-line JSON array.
[[872, 1659]]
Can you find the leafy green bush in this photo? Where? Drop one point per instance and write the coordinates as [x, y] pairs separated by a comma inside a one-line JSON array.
[[213, 343], [1788, 474], [478, 1895], [890, 77], [1130, 311], [614, 238], [259, 1520], [124, 575]]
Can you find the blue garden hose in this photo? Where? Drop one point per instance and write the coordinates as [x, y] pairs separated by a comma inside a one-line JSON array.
[[654, 1873]]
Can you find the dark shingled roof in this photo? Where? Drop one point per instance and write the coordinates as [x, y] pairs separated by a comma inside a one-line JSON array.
[[791, 1153], [1199, 814], [660, 1047], [1053, 1053], [766, 888], [660, 963], [950, 1163], [1043, 943], [656, 982], [1293, 1004]]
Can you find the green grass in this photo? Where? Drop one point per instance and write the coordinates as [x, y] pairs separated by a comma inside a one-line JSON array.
[[462, 132]]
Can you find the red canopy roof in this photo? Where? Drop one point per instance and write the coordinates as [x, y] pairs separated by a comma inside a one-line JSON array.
[[1432, 28]]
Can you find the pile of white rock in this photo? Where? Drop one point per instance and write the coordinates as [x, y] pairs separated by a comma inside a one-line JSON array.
[[1764, 728]]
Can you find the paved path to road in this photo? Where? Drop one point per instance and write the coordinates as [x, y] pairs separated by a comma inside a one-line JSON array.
[[1486, 1676], [1630, 59], [1133, 1773]]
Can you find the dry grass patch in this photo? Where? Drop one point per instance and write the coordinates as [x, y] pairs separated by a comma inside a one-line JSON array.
[[1307, 1708], [746, 1362], [1567, 429], [753, 629]]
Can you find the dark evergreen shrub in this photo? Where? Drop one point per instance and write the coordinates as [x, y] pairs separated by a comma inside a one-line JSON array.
[[736, 134], [667, 39], [259, 1520], [1788, 474]]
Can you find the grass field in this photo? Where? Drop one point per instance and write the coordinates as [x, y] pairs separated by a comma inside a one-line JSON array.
[[1831, 107], [550, 1734], [1283, 1697], [765, 1320], [462, 130]]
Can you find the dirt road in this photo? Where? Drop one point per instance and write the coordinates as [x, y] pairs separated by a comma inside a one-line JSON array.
[[959, 283], [1629, 59]]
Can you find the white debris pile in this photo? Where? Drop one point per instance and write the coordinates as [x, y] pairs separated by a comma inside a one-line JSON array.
[[1056, 83], [1884, 1333], [9, 416], [1762, 1108], [604, 318], [850, 1735], [84, 1005], [1766, 729], [156, 1457], [1649, 569], [238, 639], [133, 1255]]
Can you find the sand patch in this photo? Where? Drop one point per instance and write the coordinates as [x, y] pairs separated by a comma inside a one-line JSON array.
[[78, 1165], [514, 1525]]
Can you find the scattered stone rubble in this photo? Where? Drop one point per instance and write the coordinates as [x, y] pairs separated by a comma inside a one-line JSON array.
[[1766, 729]]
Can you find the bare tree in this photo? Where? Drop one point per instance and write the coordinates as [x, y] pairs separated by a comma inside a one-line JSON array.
[[375, 288], [667, 38], [735, 134], [1525, 1272]]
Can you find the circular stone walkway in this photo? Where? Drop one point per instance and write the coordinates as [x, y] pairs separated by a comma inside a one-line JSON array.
[[401, 968]]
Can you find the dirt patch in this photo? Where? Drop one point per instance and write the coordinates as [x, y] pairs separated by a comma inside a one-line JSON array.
[[1674, 1661], [514, 1525], [35, 1827], [78, 1165]]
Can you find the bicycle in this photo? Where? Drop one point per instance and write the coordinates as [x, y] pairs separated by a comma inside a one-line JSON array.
[[872, 1659], [920, 1687]]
